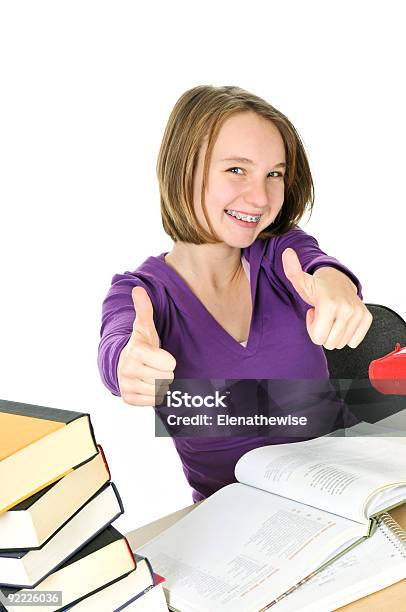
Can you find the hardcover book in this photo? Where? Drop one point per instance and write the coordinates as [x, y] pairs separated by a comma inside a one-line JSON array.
[[29, 436], [121, 593], [29, 567], [104, 559], [33, 521]]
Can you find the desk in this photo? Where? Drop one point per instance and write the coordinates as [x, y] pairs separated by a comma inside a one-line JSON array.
[[387, 600]]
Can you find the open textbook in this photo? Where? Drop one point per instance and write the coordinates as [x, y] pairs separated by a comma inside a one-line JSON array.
[[294, 509]]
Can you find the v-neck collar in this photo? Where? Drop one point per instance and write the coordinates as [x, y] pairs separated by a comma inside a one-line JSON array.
[[191, 305]]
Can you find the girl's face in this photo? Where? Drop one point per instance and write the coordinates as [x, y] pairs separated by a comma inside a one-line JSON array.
[[252, 188]]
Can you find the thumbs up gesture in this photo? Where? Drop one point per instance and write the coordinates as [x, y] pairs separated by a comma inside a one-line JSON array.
[[142, 361], [338, 316]]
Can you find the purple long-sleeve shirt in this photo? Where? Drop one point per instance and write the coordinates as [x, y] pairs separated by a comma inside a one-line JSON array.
[[278, 346]]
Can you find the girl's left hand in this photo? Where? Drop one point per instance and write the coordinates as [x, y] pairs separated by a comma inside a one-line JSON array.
[[338, 316]]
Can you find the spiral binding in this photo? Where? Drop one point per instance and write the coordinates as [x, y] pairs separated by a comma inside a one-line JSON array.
[[393, 532]]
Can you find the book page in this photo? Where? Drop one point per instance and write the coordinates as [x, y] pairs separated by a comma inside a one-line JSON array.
[[373, 565], [243, 547], [334, 474]]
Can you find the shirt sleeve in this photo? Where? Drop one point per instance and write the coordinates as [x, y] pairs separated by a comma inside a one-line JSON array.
[[310, 256], [118, 316]]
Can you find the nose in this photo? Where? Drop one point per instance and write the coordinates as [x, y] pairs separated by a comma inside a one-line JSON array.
[[257, 196]]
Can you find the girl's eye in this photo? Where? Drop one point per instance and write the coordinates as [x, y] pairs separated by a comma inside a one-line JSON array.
[[275, 173], [233, 169]]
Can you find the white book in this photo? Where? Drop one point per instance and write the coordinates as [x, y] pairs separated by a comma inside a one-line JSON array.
[[104, 559], [294, 509], [27, 568], [118, 595], [34, 520]]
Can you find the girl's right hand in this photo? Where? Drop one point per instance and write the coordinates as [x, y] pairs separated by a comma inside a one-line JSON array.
[[142, 361]]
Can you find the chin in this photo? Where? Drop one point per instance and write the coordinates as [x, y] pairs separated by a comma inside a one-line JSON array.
[[239, 241]]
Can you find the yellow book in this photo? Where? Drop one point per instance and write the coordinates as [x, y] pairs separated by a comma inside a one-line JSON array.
[[39, 445]]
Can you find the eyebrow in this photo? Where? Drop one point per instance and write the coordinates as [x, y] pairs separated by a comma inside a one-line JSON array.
[[245, 160]]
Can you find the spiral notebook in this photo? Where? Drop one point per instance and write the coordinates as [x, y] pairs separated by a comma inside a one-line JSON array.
[[377, 563]]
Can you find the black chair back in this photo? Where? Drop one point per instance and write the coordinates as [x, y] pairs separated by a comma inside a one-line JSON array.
[[349, 367]]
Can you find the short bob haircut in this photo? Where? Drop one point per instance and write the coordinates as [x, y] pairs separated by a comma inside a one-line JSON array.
[[200, 112]]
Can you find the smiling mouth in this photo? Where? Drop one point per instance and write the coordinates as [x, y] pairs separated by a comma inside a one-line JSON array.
[[242, 216]]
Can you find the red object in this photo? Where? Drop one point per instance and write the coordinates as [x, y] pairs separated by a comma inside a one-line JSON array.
[[104, 460], [158, 578], [388, 373], [130, 551]]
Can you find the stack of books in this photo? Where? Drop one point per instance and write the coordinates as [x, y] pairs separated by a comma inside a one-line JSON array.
[[58, 548]]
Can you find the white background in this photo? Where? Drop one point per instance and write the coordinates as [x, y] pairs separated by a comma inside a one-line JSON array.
[[86, 90]]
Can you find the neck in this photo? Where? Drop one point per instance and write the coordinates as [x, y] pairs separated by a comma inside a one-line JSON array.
[[212, 265]]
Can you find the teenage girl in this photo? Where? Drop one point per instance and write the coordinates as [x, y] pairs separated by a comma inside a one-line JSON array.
[[244, 292]]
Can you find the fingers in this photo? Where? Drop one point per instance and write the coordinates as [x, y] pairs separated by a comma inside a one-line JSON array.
[[154, 391], [156, 358], [137, 399], [361, 331], [341, 332], [335, 328], [143, 386], [143, 325], [133, 369]]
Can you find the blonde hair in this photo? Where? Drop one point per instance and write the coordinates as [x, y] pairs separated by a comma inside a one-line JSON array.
[[200, 112]]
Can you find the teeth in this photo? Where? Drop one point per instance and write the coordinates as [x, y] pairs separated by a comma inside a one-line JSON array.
[[250, 218]]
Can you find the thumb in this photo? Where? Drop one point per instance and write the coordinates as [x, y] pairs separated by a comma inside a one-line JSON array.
[[144, 316], [302, 282]]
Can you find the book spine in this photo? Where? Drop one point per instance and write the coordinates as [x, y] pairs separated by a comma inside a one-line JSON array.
[[393, 532], [40, 412], [79, 415], [118, 497], [92, 432], [138, 596], [106, 465], [96, 446], [151, 571], [130, 551]]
